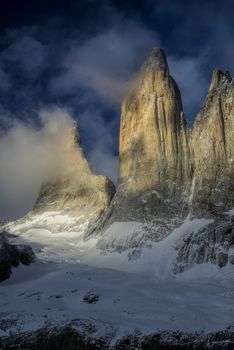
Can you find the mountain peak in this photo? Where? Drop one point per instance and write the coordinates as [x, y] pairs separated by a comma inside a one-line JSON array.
[[76, 186], [219, 78], [156, 60]]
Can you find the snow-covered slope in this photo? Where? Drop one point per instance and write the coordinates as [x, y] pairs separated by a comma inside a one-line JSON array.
[[116, 291], [126, 245], [55, 294]]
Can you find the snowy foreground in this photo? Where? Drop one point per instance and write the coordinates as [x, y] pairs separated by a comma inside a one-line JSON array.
[[74, 280]]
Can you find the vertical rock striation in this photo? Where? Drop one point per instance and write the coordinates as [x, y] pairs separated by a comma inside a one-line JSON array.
[[155, 164], [213, 148], [167, 171], [154, 152]]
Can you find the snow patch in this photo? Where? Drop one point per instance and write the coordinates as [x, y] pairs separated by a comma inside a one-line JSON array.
[[50, 220], [230, 212], [154, 257]]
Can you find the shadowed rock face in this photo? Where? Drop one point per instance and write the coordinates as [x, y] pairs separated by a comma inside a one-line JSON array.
[[11, 255], [69, 338], [212, 243]]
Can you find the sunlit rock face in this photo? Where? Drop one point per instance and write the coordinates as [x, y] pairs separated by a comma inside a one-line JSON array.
[[77, 192], [154, 151], [213, 148], [166, 170], [74, 200], [155, 164], [164, 166], [77, 187]]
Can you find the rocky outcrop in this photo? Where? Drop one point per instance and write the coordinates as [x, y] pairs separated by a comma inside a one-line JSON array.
[[167, 170], [70, 338], [12, 255], [155, 164], [78, 187], [154, 152], [213, 244], [213, 149], [77, 194]]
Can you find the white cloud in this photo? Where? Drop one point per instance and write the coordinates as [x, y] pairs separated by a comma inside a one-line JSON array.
[[28, 157]]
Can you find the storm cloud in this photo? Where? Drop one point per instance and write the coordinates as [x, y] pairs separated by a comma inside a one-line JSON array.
[[79, 57]]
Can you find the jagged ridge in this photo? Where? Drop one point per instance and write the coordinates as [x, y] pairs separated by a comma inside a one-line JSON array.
[[164, 166]]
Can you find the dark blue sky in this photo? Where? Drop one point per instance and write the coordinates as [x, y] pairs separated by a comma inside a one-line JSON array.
[[79, 55]]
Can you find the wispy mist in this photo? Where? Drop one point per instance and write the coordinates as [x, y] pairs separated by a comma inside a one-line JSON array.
[[28, 157], [104, 62]]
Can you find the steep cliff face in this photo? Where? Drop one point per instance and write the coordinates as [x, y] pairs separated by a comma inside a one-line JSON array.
[[11, 255], [76, 199], [77, 187], [212, 243], [155, 164], [167, 171], [213, 148], [154, 151]]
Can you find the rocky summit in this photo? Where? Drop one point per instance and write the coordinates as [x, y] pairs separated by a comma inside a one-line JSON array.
[[166, 169], [155, 168], [75, 199], [78, 192]]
